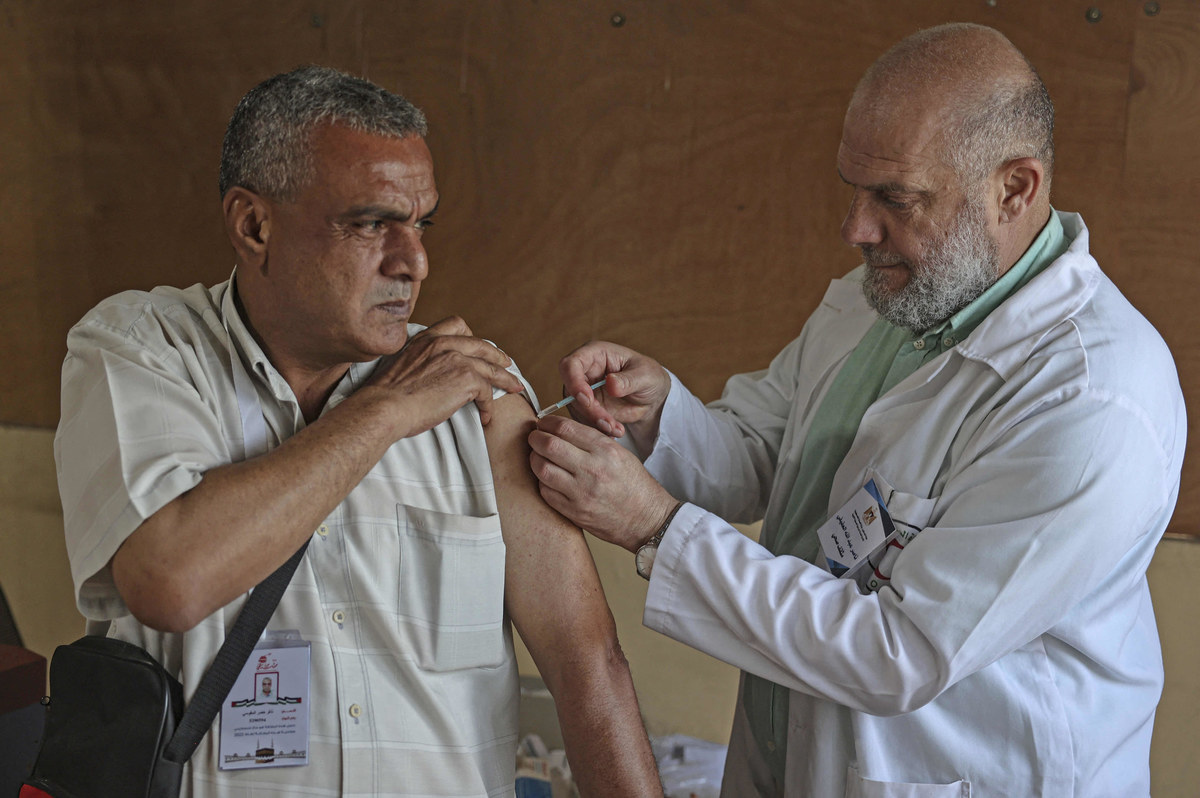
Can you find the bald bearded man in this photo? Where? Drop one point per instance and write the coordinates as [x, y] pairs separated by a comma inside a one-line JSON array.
[[985, 402]]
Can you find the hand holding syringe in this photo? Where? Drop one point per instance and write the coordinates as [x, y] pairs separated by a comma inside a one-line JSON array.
[[545, 411]]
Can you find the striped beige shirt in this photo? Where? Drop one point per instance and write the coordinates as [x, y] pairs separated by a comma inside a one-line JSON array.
[[413, 680]]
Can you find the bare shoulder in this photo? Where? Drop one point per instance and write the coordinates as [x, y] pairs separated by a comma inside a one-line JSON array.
[[551, 580], [523, 512], [512, 420]]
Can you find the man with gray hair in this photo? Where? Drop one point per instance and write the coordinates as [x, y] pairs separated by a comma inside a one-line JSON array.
[[207, 433], [962, 465]]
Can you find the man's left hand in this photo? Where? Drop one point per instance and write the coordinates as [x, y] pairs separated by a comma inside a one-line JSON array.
[[597, 483]]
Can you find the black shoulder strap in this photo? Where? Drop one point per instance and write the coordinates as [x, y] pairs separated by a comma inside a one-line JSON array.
[[219, 679]]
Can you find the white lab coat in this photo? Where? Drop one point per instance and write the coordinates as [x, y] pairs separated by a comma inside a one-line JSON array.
[[1015, 652]]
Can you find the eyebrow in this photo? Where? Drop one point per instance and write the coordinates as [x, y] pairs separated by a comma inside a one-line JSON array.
[[898, 188], [386, 212]]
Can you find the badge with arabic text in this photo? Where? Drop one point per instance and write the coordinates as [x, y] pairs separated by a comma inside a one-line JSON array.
[[859, 529], [264, 719]]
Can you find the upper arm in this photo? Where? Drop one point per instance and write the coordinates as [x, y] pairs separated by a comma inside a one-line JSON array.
[[133, 436], [552, 591]]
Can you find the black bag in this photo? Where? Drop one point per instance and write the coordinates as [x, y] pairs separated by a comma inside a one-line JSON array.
[[115, 722], [101, 686]]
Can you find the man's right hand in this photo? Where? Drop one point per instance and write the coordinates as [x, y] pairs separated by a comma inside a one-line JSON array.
[[216, 541], [634, 391], [438, 371]]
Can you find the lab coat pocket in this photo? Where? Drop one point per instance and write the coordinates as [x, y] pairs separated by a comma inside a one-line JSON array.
[[858, 787], [451, 599], [910, 514]]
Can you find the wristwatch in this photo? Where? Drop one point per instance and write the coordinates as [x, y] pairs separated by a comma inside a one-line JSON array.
[[648, 550]]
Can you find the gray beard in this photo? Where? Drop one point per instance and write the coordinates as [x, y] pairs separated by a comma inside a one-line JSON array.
[[953, 274]]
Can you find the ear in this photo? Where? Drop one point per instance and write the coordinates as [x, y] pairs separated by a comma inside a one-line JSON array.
[[1020, 187], [248, 225]]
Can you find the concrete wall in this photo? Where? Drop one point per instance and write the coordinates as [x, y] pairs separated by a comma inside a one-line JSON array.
[[681, 691]]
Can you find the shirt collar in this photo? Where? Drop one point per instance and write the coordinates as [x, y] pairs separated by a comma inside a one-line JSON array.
[[257, 364], [1048, 246], [1007, 336], [246, 347], [1004, 337]]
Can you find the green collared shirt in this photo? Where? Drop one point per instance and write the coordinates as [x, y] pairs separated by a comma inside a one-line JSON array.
[[886, 355]]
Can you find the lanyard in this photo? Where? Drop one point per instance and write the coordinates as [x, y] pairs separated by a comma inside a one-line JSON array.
[[254, 425]]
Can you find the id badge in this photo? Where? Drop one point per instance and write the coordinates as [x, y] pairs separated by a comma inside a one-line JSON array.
[[264, 719], [860, 529]]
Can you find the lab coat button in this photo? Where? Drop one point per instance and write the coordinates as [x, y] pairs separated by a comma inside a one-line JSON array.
[[355, 711]]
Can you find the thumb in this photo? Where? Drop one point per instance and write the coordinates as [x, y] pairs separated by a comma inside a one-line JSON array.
[[619, 385]]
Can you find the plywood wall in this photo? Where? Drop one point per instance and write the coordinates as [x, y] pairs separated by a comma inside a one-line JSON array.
[[657, 173]]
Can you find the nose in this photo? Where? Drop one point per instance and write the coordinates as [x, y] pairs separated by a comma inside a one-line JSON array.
[[861, 226], [405, 255]]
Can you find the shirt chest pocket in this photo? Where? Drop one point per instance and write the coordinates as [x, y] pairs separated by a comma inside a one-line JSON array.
[[858, 787], [450, 602]]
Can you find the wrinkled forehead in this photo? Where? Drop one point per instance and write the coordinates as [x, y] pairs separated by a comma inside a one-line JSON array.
[[899, 143]]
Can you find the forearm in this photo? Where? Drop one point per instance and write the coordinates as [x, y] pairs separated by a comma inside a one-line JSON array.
[[602, 729], [717, 591], [709, 458], [243, 520]]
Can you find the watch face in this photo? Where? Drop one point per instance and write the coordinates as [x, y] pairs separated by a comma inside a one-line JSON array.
[[645, 559]]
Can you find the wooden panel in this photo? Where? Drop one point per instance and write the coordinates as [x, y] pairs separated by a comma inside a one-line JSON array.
[[113, 129], [1159, 198], [667, 182]]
